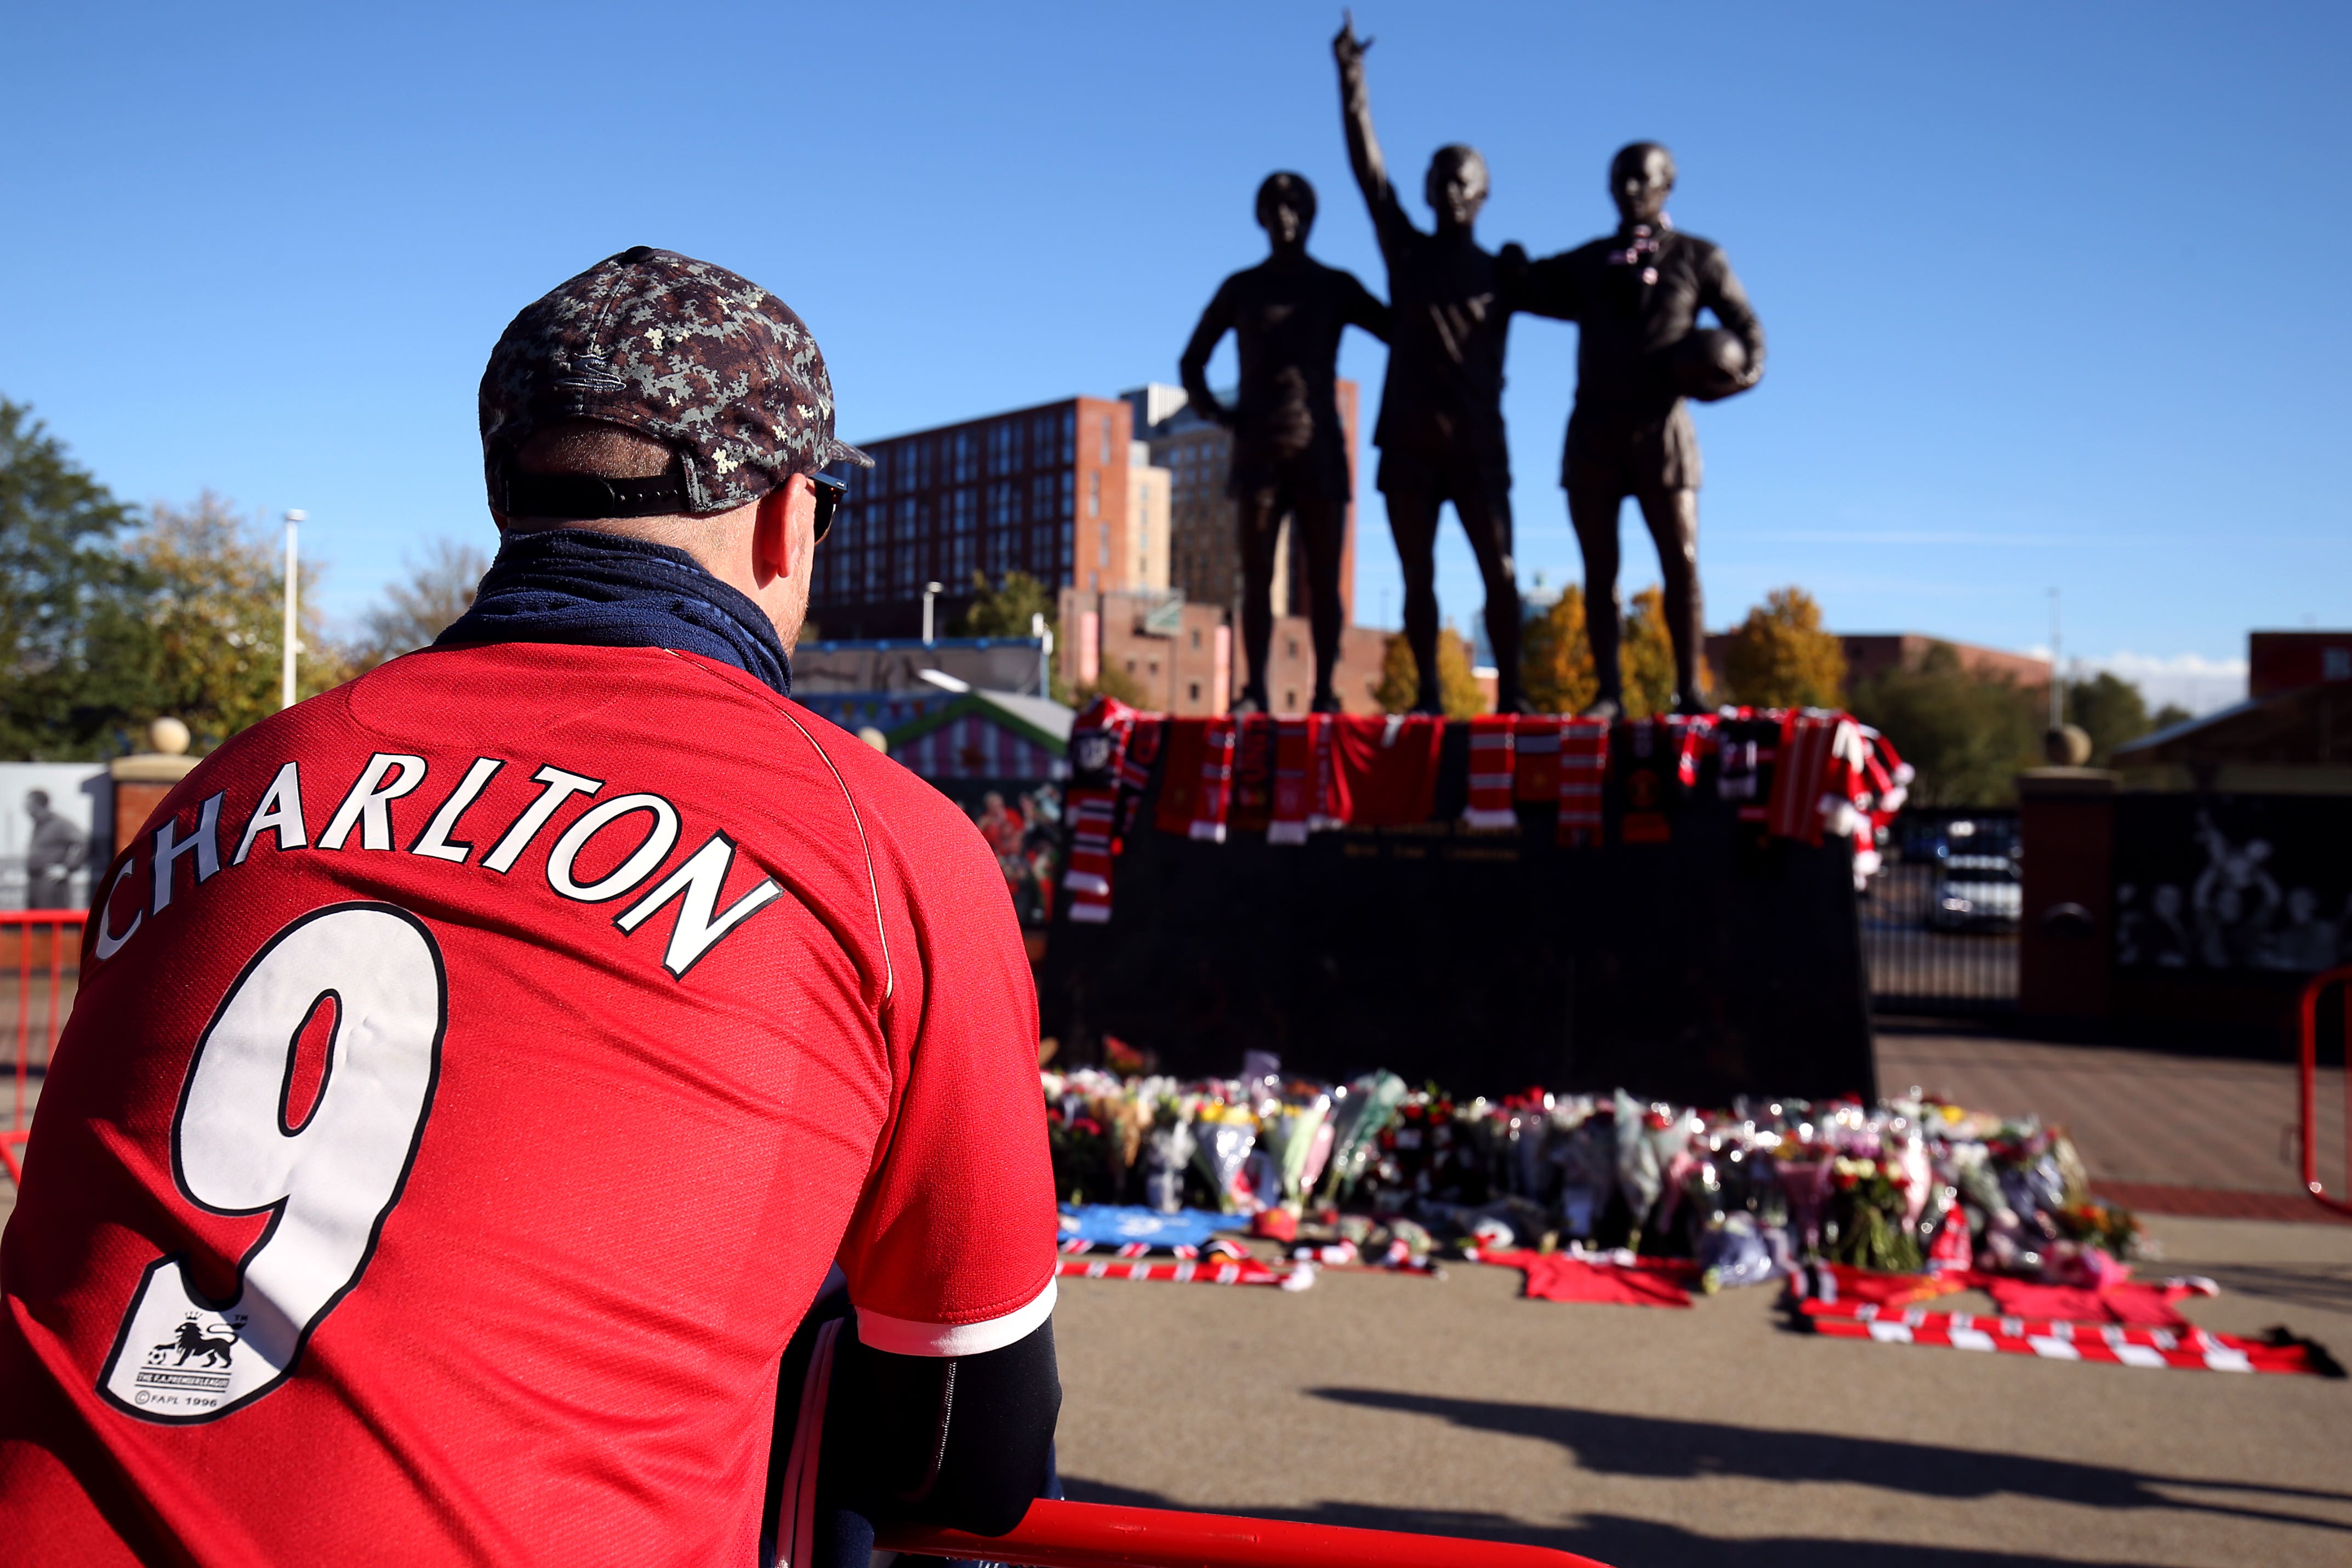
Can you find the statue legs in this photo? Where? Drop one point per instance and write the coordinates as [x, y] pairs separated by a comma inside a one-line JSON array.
[[1262, 511], [1673, 518], [1321, 521], [1412, 518], [1483, 500]]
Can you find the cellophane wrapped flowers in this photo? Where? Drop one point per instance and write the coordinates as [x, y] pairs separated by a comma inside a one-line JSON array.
[[1746, 1191]]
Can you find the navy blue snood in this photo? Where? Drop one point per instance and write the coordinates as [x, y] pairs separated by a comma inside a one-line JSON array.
[[579, 586]]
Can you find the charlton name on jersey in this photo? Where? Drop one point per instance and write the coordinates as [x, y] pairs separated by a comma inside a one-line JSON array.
[[473, 1073]]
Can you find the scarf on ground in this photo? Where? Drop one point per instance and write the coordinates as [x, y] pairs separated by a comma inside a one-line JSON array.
[[578, 586]]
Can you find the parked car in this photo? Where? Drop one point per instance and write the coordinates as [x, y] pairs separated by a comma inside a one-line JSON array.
[[1976, 893]]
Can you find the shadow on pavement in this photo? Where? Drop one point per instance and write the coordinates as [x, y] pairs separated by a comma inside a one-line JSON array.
[[1608, 1443], [1621, 1543], [2327, 1286]]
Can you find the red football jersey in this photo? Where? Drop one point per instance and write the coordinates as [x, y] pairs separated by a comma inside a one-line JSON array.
[[475, 1070]]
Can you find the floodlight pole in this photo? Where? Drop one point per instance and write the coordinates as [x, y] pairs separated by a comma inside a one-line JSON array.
[[2057, 689], [293, 607]]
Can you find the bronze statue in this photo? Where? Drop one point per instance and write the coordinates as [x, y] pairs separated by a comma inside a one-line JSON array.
[[1290, 452], [1635, 297], [1440, 425]]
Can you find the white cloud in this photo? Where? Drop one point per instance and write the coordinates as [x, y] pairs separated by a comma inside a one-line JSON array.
[[2188, 680]]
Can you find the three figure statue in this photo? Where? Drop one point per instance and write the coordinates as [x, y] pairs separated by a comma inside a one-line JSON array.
[[1634, 296]]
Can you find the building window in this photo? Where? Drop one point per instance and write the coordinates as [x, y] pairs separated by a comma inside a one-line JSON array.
[[1290, 702], [1292, 644], [1069, 435], [967, 456], [1196, 636], [1196, 691]]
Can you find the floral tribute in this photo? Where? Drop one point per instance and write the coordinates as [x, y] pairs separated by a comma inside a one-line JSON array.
[[1377, 1169]]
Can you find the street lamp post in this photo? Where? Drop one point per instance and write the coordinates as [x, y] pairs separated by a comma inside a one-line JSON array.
[[930, 592], [293, 580]]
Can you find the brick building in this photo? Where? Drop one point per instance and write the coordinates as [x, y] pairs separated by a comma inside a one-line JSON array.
[[1051, 491]]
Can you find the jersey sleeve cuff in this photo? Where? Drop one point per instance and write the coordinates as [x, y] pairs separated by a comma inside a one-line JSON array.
[[905, 1336]]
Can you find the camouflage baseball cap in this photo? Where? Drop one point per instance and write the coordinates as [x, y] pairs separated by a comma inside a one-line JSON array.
[[678, 350]]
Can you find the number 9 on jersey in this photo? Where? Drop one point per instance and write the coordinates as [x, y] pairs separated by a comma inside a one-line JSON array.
[[327, 1184]]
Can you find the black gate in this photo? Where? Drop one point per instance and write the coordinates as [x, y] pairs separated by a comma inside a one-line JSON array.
[[1939, 921]]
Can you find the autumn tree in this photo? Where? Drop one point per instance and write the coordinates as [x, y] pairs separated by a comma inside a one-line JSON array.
[[1780, 657], [1458, 687], [414, 611], [201, 638], [1556, 656], [1645, 653]]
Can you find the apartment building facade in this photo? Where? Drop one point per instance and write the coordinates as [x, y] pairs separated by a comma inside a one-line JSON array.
[[1050, 491]]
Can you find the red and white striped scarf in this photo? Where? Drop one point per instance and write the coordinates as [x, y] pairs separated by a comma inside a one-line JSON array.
[[1584, 766], [1492, 772], [1302, 779], [1107, 727], [1213, 806]]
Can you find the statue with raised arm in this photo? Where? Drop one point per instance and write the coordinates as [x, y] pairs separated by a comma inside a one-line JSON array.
[[1290, 451], [1440, 425], [1635, 297]]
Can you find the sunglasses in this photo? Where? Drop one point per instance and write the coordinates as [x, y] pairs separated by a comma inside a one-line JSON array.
[[829, 494]]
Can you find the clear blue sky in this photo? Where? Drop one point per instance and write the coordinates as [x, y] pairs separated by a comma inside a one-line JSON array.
[[2053, 292]]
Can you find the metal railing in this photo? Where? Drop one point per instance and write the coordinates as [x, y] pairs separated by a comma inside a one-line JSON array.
[[1940, 936], [2339, 980], [46, 947], [1099, 1535]]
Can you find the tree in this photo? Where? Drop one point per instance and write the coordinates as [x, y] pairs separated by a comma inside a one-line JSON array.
[[1011, 610], [416, 612], [1110, 681], [1457, 688], [2168, 715], [56, 568], [1967, 735], [2111, 711], [1008, 610], [201, 637], [1780, 657], [1556, 657], [1646, 658]]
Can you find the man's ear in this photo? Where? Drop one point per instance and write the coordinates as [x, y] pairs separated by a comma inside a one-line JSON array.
[[775, 542]]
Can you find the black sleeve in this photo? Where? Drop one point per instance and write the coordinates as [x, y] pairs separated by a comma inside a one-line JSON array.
[[961, 1442]]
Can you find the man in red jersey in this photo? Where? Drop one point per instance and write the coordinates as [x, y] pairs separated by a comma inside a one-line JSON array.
[[478, 1069]]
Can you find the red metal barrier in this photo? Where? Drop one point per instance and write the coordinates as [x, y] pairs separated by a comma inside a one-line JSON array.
[[1095, 1535], [54, 936], [2309, 1082]]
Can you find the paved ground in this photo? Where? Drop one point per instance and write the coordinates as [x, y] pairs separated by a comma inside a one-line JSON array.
[[2139, 1116], [1716, 1436]]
